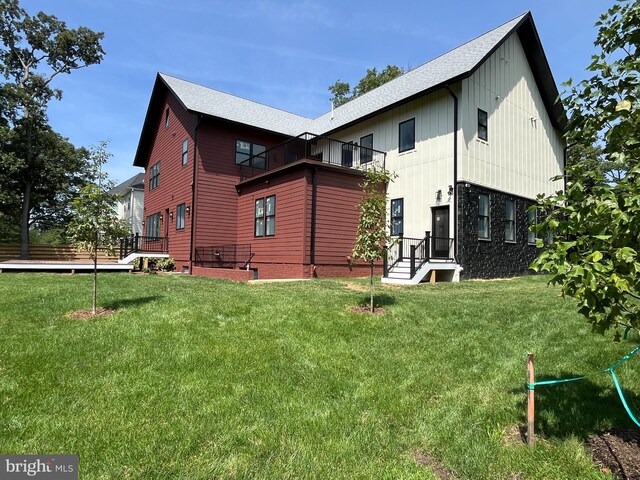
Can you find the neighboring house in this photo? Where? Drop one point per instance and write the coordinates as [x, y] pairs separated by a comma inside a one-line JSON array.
[[130, 202], [473, 135]]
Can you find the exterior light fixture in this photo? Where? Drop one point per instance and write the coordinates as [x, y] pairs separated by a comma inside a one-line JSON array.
[[450, 192], [187, 209], [171, 215], [161, 217], [439, 195]]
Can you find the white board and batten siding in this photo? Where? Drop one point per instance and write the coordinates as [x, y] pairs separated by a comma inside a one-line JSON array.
[[421, 171], [524, 151]]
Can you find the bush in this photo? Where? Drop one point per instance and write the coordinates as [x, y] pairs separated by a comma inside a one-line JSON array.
[[165, 264]]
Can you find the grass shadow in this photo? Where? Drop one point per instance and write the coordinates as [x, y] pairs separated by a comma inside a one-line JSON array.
[[579, 408], [132, 302], [379, 300]]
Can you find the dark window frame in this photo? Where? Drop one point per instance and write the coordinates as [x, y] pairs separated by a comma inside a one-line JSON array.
[[482, 216], [366, 152], [532, 220], [396, 220], [180, 216], [510, 222], [483, 125], [413, 143], [154, 176], [251, 155], [166, 118], [152, 226], [185, 152], [264, 219]]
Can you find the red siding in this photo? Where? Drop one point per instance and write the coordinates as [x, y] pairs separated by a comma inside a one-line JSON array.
[[175, 179]]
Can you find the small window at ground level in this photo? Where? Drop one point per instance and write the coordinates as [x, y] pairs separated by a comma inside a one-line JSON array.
[[483, 216], [532, 218], [483, 129], [397, 216], [152, 225], [407, 135], [265, 217], [510, 221], [185, 152], [180, 216], [366, 148], [154, 176]]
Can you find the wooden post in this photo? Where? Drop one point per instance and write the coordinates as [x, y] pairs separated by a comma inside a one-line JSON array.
[[530, 400]]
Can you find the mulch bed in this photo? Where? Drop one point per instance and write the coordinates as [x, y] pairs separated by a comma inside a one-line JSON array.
[[367, 309], [84, 314], [617, 451], [425, 460]]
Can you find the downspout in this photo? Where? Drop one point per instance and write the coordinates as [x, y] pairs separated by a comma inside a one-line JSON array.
[[193, 192], [312, 241], [455, 171]]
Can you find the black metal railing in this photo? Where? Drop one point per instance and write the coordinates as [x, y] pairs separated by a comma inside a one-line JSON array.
[[139, 244], [313, 147], [224, 256], [417, 251]]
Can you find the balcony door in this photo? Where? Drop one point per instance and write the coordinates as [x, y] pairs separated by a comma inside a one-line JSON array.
[[440, 234]]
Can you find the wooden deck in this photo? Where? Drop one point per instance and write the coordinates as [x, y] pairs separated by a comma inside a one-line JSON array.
[[72, 266]]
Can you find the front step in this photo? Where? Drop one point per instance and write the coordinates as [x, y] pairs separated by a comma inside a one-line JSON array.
[[132, 256], [400, 273]]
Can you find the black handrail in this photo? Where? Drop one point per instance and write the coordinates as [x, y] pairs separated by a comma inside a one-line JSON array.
[[417, 251], [137, 244], [224, 256]]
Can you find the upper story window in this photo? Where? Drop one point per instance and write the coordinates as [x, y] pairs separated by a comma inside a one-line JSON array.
[[166, 118], [246, 150], [366, 148], [483, 216], [510, 221], [152, 226], [185, 152], [265, 217], [180, 217], [407, 135], [347, 154], [154, 176], [397, 216], [532, 218], [483, 129]]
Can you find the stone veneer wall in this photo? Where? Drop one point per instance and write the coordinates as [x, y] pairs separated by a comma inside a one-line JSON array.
[[492, 258]]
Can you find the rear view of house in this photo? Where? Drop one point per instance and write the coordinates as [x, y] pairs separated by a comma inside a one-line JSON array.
[[243, 190]]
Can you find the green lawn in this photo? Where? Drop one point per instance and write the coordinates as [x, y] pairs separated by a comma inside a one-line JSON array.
[[197, 378]]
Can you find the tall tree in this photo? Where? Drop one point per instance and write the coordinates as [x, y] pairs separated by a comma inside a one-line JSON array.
[[596, 222], [373, 232], [34, 50], [342, 92], [94, 222]]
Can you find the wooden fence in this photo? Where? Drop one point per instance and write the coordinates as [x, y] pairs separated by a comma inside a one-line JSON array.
[[11, 251]]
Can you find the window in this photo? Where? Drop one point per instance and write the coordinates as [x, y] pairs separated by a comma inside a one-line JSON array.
[[180, 217], [185, 152], [154, 176], [253, 151], [166, 118], [397, 215], [347, 154], [483, 216], [407, 135], [366, 148], [152, 225], [483, 130], [532, 217], [265, 217], [510, 221]]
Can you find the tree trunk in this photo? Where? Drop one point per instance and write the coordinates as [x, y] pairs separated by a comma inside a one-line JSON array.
[[371, 285], [24, 221], [95, 283]]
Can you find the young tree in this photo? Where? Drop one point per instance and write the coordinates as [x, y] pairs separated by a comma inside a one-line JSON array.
[[373, 232], [342, 90], [33, 51], [596, 222], [94, 223]]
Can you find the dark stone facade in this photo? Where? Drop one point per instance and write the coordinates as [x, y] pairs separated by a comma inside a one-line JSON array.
[[493, 258]]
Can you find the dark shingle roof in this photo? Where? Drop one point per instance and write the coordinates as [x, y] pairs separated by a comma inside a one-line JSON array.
[[135, 182]]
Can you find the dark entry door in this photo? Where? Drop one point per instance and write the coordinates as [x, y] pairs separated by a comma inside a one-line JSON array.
[[440, 234]]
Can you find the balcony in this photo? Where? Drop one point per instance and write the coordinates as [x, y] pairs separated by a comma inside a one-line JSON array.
[[313, 147]]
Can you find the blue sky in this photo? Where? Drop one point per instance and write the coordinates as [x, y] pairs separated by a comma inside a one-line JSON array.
[[281, 53]]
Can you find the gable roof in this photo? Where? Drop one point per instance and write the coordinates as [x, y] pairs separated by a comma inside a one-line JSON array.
[[135, 182], [449, 68]]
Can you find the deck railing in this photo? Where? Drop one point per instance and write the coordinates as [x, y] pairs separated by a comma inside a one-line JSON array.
[[224, 256], [314, 147], [140, 244], [417, 251]]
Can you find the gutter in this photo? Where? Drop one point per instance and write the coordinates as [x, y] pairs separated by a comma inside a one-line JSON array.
[[314, 196], [455, 171], [193, 192]]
